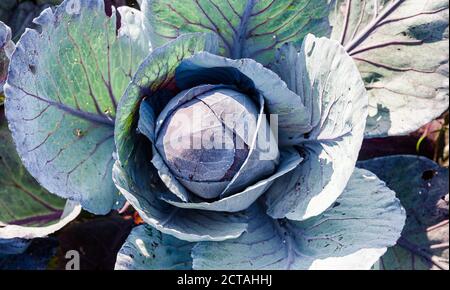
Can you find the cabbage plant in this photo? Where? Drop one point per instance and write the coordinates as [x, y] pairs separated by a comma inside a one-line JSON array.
[[243, 207], [232, 127]]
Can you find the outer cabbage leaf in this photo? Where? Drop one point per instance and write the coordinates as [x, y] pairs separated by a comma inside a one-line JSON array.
[[422, 187], [352, 234], [190, 225], [149, 249], [331, 87], [6, 49], [247, 29], [62, 90], [135, 175], [26, 209], [70, 212], [401, 48]]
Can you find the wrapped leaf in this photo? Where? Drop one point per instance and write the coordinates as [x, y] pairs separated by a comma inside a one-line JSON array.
[[338, 110]]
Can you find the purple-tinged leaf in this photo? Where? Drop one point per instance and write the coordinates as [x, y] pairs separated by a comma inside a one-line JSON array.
[[401, 48], [62, 91], [422, 187], [352, 234], [149, 249], [134, 174], [239, 201], [26, 209], [246, 28], [338, 108]]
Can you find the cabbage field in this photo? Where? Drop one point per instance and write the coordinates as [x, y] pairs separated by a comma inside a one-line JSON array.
[[224, 135]]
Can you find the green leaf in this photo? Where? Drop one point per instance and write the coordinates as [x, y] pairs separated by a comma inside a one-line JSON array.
[[352, 234], [247, 29], [62, 91], [401, 48], [422, 187], [149, 249], [26, 209]]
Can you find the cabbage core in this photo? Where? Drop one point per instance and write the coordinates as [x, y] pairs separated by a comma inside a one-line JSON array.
[[206, 140]]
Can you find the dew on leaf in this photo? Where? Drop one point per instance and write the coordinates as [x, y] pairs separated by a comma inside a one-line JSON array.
[[79, 133]]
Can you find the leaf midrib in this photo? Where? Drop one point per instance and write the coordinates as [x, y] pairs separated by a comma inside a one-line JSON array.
[[373, 25], [91, 117], [240, 35]]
